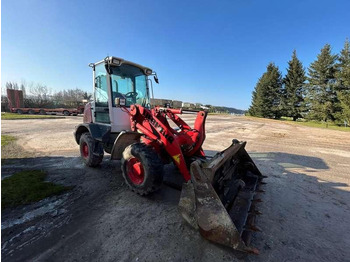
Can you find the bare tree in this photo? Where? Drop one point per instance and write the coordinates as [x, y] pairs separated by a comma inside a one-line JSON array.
[[11, 85], [41, 95], [87, 96], [23, 87], [73, 97]]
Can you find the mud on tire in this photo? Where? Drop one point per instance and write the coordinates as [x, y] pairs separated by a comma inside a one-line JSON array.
[[147, 161], [91, 151]]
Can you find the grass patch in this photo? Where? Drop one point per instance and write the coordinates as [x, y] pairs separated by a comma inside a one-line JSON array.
[[218, 114], [10, 149], [317, 124], [6, 139], [304, 122], [15, 116], [26, 187]]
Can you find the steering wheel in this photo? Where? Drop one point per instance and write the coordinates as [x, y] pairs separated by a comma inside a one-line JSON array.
[[131, 95]]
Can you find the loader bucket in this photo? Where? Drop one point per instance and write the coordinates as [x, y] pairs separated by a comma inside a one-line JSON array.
[[221, 196]]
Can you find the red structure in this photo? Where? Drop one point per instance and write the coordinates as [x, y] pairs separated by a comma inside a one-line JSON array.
[[15, 98]]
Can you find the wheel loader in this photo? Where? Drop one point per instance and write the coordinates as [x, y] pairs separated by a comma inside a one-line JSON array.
[[219, 194]]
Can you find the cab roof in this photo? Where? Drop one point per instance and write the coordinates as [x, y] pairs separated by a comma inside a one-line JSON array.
[[117, 61]]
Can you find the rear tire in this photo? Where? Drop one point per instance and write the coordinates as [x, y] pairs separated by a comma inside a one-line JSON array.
[[66, 113], [31, 112], [42, 112], [142, 169], [19, 111], [91, 151]]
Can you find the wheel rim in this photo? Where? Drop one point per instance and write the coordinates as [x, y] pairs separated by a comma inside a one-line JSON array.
[[85, 150], [135, 171]]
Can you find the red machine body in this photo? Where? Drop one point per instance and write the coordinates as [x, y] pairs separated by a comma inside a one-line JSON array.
[[180, 144]]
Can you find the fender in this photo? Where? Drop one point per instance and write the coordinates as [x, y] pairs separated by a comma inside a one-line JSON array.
[[99, 132], [124, 139]]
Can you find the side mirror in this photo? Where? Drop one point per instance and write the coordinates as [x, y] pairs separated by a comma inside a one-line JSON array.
[[119, 102], [156, 79]]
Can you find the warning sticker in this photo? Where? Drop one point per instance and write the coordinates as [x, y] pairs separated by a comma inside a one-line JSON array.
[[177, 158]]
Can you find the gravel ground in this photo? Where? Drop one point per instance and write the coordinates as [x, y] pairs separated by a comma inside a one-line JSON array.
[[306, 208]]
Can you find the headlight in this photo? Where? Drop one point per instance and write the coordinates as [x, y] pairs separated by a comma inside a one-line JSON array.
[[116, 61]]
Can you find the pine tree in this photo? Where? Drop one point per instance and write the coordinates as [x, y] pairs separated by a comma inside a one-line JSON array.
[[343, 83], [322, 98], [253, 109], [267, 94], [294, 88]]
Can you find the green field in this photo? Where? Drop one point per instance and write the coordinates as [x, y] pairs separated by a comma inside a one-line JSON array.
[[303, 122], [15, 116], [316, 124], [26, 187]]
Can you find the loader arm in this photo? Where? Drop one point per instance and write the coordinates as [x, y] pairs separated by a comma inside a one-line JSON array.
[[158, 135], [156, 130], [197, 134]]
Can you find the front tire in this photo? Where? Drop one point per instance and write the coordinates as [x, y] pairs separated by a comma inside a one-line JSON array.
[[142, 169], [66, 113], [91, 151]]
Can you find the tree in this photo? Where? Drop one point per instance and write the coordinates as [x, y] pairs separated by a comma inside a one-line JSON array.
[[87, 96], [70, 97], [73, 97], [198, 105], [11, 85], [254, 109], [266, 100], [343, 66], [294, 88], [322, 98], [343, 82], [40, 95]]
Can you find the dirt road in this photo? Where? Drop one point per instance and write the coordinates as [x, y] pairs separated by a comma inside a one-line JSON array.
[[306, 208]]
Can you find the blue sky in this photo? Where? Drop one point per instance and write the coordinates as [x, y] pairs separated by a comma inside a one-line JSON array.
[[211, 52]]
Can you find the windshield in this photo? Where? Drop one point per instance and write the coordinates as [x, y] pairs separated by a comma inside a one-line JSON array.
[[129, 82]]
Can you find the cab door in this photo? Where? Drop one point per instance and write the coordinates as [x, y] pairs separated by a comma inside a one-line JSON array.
[[101, 110]]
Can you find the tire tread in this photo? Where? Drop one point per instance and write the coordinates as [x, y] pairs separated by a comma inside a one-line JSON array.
[[94, 147], [152, 163]]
